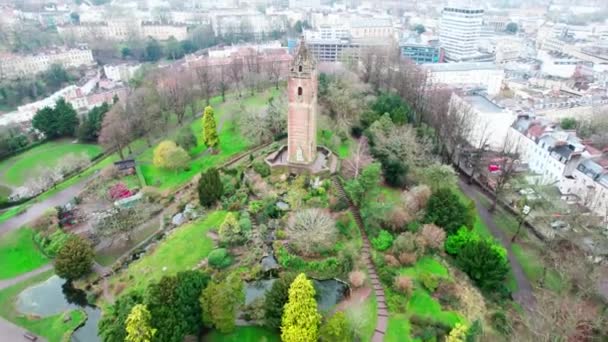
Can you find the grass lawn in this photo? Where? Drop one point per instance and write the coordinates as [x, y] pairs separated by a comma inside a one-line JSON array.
[[422, 304], [19, 253], [4, 192], [243, 334], [364, 316], [183, 249], [426, 265], [398, 329], [23, 166], [324, 138], [531, 262], [231, 143], [52, 328]]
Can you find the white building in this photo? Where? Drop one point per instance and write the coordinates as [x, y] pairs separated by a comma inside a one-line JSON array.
[[589, 182], [120, 30], [459, 32], [120, 72], [14, 66], [483, 75]]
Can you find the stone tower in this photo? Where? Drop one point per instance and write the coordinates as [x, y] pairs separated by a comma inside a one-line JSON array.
[[302, 116]]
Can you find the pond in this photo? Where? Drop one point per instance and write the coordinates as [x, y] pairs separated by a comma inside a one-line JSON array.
[[329, 292], [55, 296]]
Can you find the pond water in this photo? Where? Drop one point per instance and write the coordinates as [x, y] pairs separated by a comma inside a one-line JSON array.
[[329, 292], [55, 296]]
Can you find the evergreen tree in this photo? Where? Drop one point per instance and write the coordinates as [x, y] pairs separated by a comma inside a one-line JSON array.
[[275, 300], [210, 187], [445, 209], [56, 122], [74, 259], [210, 137], [300, 317], [138, 325], [220, 303]]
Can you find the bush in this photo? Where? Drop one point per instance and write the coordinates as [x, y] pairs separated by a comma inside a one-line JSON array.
[[433, 236], [429, 281], [383, 241], [414, 226], [336, 329], [447, 294], [312, 231], [262, 169], [51, 244], [186, 139], [485, 262], [403, 284], [407, 259], [210, 187], [219, 258], [398, 219], [356, 279], [447, 211], [338, 203], [500, 323], [455, 242], [416, 199], [391, 260]]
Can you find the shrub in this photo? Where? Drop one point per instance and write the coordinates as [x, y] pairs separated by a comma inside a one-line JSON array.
[[338, 203], [312, 231], [383, 241], [220, 303], [119, 191], [275, 300], [485, 262], [186, 139], [335, 329], [429, 281], [403, 284], [404, 243], [500, 323], [51, 244], [407, 259], [458, 333], [109, 172], [433, 236], [230, 231], [210, 187], [447, 294], [455, 242], [391, 260], [398, 219], [414, 226], [152, 194], [262, 169], [255, 206], [416, 199], [219, 258], [446, 210], [356, 278], [395, 172]]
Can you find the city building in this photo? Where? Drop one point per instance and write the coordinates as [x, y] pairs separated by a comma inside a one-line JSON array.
[[459, 32], [14, 66], [120, 72], [120, 30], [422, 52], [484, 75]]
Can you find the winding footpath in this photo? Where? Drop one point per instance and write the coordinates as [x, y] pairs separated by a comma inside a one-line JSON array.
[[524, 294], [382, 309]]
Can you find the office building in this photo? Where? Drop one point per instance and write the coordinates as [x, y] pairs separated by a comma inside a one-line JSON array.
[[459, 32]]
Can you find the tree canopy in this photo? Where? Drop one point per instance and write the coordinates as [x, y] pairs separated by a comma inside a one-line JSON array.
[[56, 122], [74, 259], [300, 317]]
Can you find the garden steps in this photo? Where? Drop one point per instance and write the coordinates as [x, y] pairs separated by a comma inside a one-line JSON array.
[[382, 310]]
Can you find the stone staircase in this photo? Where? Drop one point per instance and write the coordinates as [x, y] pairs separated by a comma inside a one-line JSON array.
[[382, 309]]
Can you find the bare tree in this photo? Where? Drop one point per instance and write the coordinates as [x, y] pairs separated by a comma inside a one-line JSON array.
[[273, 69], [175, 90], [360, 158], [115, 131], [507, 163], [235, 72], [205, 80]]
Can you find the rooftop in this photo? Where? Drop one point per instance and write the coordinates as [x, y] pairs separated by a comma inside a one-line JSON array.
[[483, 104], [446, 67]]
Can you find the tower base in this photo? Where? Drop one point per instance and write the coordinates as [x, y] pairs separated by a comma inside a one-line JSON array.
[[325, 162]]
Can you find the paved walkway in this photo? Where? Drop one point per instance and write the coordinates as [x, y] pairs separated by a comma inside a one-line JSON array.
[[382, 309], [37, 209], [10, 282], [12, 333], [524, 294]]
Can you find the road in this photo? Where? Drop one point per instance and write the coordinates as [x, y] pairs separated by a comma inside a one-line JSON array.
[[37, 209], [12, 333], [524, 294]]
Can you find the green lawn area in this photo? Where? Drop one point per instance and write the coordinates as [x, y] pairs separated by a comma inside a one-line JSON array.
[[531, 261], [324, 138], [422, 304], [181, 250], [363, 316], [426, 265], [52, 328], [398, 329], [19, 253], [19, 168], [231, 143], [243, 334]]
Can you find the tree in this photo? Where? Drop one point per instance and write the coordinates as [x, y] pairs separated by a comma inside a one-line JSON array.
[[174, 49], [359, 159], [168, 155], [220, 303], [153, 51], [458, 333], [512, 28], [438, 176], [336, 329], [445, 209], [507, 164], [138, 325], [419, 28], [56, 76], [74, 259], [173, 304], [116, 130], [210, 136], [230, 231], [275, 299], [300, 317], [210, 187], [393, 105], [485, 262], [205, 79], [56, 122], [568, 123], [90, 126], [395, 172], [364, 187], [265, 125], [112, 322], [312, 231], [186, 139]]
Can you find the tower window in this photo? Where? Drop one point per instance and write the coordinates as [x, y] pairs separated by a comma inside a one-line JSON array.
[[300, 68], [299, 91]]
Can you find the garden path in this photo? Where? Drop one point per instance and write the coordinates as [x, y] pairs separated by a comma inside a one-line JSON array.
[[524, 294], [382, 309]]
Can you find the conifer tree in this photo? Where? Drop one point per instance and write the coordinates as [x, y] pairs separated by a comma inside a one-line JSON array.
[[210, 187], [300, 317], [210, 137], [138, 325]]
